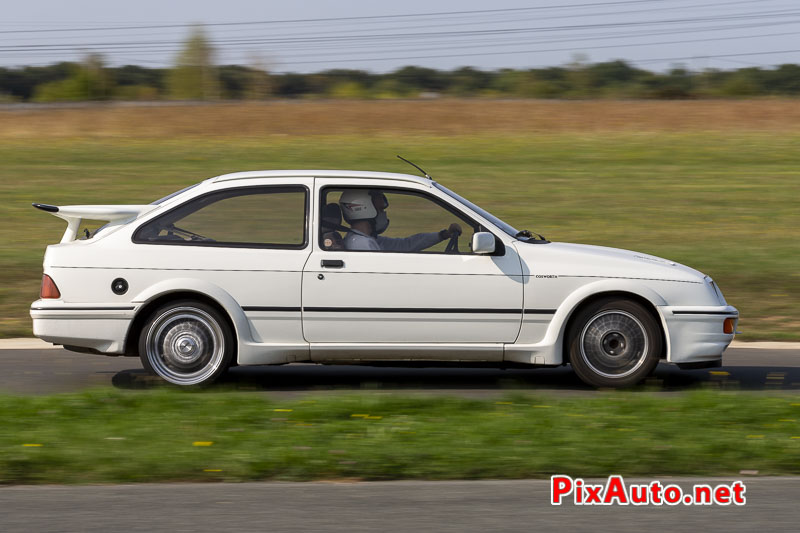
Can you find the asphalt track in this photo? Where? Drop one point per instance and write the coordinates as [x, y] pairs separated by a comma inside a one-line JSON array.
[[47, 371], [516, 505], [415, 506]]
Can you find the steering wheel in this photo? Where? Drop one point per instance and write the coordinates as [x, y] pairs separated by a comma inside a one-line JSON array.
[[172, 228], [452, 244]]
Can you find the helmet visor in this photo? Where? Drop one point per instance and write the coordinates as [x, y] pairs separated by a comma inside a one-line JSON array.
[[379, 199]]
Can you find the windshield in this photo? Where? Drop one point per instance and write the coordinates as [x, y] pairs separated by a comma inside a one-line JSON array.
[[482, 212], [173, 195]]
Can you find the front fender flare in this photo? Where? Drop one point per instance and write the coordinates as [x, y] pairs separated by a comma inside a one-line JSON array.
[[550, 349], [558, 325]]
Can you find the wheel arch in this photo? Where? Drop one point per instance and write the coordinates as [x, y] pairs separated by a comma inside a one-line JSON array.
[[619, 294], [194, 290], [591, 292]]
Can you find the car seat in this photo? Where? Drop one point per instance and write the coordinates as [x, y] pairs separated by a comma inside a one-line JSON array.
[[331, 225]]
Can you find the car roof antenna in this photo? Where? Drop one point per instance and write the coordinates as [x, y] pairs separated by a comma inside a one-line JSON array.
[[415, 166]]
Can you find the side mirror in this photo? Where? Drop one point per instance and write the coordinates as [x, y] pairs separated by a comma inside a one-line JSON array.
[[483, 243]]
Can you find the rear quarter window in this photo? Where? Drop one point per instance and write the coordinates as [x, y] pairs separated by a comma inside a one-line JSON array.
[[269, 216]]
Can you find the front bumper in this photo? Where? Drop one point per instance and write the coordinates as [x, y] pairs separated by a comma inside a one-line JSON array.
[[97, 327], [695, 334]]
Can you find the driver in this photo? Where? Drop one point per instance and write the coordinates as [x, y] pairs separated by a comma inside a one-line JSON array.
[[365, 211]]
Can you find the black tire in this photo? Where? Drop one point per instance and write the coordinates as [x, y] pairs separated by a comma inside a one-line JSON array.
[[186, 343], [613, 343]]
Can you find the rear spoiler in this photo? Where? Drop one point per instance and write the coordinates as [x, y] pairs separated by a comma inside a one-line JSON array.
[[74, 214]]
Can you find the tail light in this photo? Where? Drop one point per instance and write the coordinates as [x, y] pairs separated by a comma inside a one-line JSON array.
[[49, 289], [728, 325]]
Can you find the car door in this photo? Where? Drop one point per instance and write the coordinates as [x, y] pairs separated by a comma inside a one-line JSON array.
[[425, 297]]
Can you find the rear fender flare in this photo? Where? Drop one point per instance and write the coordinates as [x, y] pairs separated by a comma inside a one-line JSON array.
[[210, 290]]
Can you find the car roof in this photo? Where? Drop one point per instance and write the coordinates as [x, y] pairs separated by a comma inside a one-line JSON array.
[[320, 174]]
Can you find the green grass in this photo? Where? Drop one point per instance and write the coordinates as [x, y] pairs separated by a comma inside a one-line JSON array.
[[106, 436], [724, 203]]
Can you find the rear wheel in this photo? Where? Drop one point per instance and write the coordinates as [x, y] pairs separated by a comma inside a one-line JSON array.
[[614, 343], [186, 343]]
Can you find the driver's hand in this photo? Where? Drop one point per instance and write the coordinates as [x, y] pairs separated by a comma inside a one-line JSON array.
[[453, 229]]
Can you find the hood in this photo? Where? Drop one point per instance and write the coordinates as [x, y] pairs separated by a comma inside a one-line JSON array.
[[566, 259]]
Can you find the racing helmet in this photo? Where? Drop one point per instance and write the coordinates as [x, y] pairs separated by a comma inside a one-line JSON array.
[[359, 204]]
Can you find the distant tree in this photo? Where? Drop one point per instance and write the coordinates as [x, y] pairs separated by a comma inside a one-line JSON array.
[[348, 90], [708, 82], [783, 80], [387, 88], [678, 83], [510, 82], [259, 82], [336, 76], [744, 82], [414, 80], [138, 83], [468, 81], [538, 88], [21, 83], [71, 89], [291, 85], [613, 72], [99, 81], [534, 83], [88, 81], [7, 98], [234, 81], [194, 76], [243, 82], [612, 78], [326, 82], [141, 76]]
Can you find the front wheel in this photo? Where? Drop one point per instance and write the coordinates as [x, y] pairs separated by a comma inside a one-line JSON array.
[[186, 343], [614, 343]]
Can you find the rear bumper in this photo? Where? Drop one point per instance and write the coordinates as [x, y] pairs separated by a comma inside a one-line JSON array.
[[695, 334], [97, 327]]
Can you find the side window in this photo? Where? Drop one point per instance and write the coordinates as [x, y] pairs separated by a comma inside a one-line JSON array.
[[268, 217], [390, 220]]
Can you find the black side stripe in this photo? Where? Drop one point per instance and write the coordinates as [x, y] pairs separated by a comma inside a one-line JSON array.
[[398, 310], [261, 308], [728, 313], [406, 310], [401, 310]]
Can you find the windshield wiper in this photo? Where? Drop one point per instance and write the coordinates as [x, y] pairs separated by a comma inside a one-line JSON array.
[[527, 234]]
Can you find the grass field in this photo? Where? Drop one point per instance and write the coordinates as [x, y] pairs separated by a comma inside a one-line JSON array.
[[398, 117], [108, 436], [711, 184]]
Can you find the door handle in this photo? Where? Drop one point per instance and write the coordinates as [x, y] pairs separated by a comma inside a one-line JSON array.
[[332, 263]]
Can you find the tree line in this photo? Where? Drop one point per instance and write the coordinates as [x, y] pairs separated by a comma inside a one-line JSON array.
[[195, 77], [90, 80]]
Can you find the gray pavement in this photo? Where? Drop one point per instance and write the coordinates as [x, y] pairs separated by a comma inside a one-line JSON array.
[[444, 506], [46, 371]]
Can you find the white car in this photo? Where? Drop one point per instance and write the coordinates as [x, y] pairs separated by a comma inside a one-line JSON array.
[[262, 268]]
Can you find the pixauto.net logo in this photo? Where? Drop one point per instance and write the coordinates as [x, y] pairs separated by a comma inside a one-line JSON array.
[[615, 492]]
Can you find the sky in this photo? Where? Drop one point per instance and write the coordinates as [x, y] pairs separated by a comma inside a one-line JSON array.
[[380, 36]]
